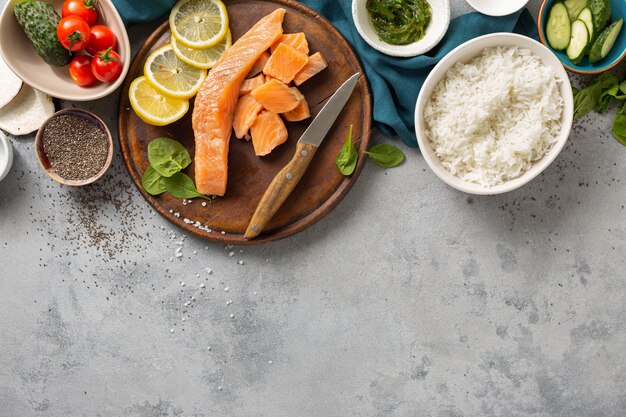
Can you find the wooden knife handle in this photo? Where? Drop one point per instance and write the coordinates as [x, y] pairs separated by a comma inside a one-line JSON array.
[[280, 188]]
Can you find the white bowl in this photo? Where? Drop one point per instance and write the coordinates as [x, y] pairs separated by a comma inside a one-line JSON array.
[[6, 155], [464, 53], [21, 57], [434, 32], [497, 7]]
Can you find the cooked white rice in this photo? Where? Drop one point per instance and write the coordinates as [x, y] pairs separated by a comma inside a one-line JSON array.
[[489, 119]]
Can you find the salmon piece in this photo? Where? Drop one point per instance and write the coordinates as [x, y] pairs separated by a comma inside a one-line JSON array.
[[297, 40], [277, 97], [268, 132], [245, 114], [300, 113], [250, 84], [259, 65], [285, 63], [316, 64], [216, 101]]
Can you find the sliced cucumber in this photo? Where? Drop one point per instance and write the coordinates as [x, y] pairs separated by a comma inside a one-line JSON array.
[[605, 41], [578, 41], [601, 11], [586, 16], [559, 28], [574, 7]]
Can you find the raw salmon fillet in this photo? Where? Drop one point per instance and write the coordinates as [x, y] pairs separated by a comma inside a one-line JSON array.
[[297, 40], [250, 84], [277, 97], [316, 64], [285, 63], [259, 65], [268, 131], [245, 114], [301, 112], [216, 101]]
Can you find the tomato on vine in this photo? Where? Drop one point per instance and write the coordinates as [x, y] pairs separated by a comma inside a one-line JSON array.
[[107, 65], [85, 9], [73, 33], [101, 38], [80, 71]]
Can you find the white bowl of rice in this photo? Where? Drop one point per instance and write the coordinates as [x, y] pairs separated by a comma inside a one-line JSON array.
[[494, 113]]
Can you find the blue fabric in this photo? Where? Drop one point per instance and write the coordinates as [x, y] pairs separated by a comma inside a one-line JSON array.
[[395, 82]]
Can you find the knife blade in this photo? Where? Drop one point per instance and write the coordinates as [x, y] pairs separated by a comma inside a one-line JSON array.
[[284, 183]]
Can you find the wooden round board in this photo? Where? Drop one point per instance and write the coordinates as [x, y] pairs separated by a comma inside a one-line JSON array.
[[225, 219]]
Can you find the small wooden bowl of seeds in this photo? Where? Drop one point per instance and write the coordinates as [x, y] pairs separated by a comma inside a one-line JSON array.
[[74, 147]]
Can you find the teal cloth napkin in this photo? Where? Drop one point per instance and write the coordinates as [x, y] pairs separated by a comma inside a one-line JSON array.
[[395, 82]]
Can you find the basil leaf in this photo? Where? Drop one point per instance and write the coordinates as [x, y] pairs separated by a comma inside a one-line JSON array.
[[622, 86], [181, 186], [386, 155], [152, 182], [168, 156], [619, 128], [348, 157], [586, 100], [606, 80]]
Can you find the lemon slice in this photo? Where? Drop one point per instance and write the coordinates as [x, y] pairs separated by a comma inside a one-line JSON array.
[[153, 107], [199, 23], [202, 58], [171, 76]]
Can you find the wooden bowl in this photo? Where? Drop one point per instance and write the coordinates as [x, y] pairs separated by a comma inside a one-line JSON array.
[[20, 56], [225, 219], [45, 163]]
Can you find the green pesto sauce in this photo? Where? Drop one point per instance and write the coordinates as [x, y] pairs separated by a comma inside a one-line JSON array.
[[399, 22]]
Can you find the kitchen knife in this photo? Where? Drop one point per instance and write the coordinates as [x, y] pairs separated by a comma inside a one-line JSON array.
[[287, 179]]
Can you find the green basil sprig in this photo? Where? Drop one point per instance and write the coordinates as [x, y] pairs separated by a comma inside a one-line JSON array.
[[348, 157], [167, 159], [383, 155], [168, 156]]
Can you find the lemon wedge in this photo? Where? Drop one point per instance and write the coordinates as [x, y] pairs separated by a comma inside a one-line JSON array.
[[153, 107], [202, 58], [199, 23], [171, 76]]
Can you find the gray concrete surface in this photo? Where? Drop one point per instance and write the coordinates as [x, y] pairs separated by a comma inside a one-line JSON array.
[[410, 299]]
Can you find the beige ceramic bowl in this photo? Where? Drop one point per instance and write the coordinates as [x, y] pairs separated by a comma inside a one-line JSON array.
[[21, 57]]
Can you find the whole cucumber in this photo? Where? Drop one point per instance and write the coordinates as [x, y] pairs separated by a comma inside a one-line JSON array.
[[39, 21]]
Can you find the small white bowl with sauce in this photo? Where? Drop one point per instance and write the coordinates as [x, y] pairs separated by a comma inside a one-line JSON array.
[[6, 155], [435, 31], [497, 7]]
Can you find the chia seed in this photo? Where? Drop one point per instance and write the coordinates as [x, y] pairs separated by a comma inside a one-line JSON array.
[[76, 148]]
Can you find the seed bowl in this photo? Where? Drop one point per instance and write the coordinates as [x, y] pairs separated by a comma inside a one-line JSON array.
[[47, 165]]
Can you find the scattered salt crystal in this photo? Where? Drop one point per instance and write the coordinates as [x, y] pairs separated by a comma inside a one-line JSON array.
[[219, 388], [206, 248], [183, 319], [270, 362], [186, 303], [232, 315], [182, 284], [179, 255], [223, 232], [226, 289], [240, 262], [255, 293], [208, 348], [204, 204], [202, 285], [208, 270], [195, 252], [229, 302], [231, 254], [171, 330]]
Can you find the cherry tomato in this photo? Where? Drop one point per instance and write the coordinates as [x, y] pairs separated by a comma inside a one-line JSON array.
[[101, 38], [80, 70], [73, 33], [85, 9], [107, 65]]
